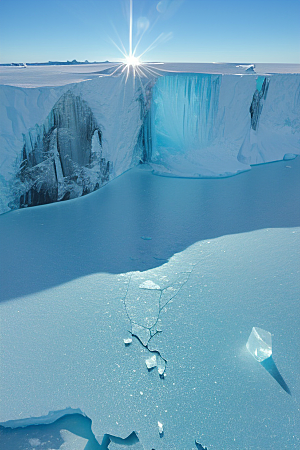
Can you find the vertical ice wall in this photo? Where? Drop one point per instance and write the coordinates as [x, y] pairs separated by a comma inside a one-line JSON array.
[[64, 142], [184, 110], [262, 85], [198, 123], [62, 158], [275, 124], [191, 125], [218, 125]]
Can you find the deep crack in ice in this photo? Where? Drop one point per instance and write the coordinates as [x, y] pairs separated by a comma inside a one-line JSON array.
[[145, 300]]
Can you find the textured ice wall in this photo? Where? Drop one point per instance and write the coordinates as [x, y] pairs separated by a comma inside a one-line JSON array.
[[218, 125], [63, 142], [60, 143], [277, 131]]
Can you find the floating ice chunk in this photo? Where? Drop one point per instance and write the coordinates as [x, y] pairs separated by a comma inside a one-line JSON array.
[[146, 238], [260, 344], [247, 67], [34, 442], [289, 156], [151, 362], [161, 370], [127, 341], [149, 284], [160, 428], [199, 446], [161, 366]]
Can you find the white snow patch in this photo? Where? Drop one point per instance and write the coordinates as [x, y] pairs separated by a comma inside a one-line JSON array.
[[34, 442], [149, 284]]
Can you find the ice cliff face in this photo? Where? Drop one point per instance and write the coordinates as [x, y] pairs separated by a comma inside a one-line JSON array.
[[275, 124], [62, 158], [62, 143], [257, 103], [218, 125], [78, 137]]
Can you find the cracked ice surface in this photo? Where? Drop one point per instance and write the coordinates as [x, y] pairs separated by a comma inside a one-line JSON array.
[[66, 336], [145, 300]]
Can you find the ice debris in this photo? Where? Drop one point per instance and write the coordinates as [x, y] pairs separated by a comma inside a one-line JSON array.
[[260, 344], [199, 446], [127, 341], [34, 442], [160, 428], [151, 362], [161, 367], [149, 284], [289, 156]]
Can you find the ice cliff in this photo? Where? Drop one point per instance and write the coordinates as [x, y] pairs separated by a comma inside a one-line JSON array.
[[62, 158], [63, 142]]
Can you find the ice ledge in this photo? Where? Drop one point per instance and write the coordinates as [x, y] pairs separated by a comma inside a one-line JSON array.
[[51, 417]]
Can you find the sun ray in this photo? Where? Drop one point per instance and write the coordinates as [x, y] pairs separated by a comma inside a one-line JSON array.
[[123, 53], [116, 70], [132, 64], [121, 42], [130, 30], [151, 46]]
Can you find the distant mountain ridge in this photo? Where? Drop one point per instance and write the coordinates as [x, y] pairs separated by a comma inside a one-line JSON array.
[[55, 63]]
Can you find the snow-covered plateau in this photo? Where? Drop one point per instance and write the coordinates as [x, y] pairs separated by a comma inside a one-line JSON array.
[[161, 309]]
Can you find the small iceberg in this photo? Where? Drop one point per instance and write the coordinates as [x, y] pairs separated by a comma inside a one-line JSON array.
[[259, 345], [151, 362], [289, 156], [160, 428], [199, 446], [127, 341]]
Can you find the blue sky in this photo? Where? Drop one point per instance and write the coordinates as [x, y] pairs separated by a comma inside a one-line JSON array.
[[192, 30]]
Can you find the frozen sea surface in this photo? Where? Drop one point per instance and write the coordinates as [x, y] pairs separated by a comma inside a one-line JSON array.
[[79, 277]]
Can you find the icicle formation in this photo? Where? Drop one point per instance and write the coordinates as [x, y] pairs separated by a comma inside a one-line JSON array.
[[62, 158], [184, 111]]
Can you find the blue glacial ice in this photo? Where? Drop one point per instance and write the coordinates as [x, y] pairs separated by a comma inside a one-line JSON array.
[[74, 289], [183, 124], [259, 344], [184, 111], [133, 304]]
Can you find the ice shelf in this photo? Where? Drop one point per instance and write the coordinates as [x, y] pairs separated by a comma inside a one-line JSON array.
[[63, 142]]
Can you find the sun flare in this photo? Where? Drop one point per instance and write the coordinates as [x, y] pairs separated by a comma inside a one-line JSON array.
[[132, 64], [132, 61]]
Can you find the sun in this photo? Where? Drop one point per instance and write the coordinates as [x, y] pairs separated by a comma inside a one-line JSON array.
[[132, 61], [131, 64]]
